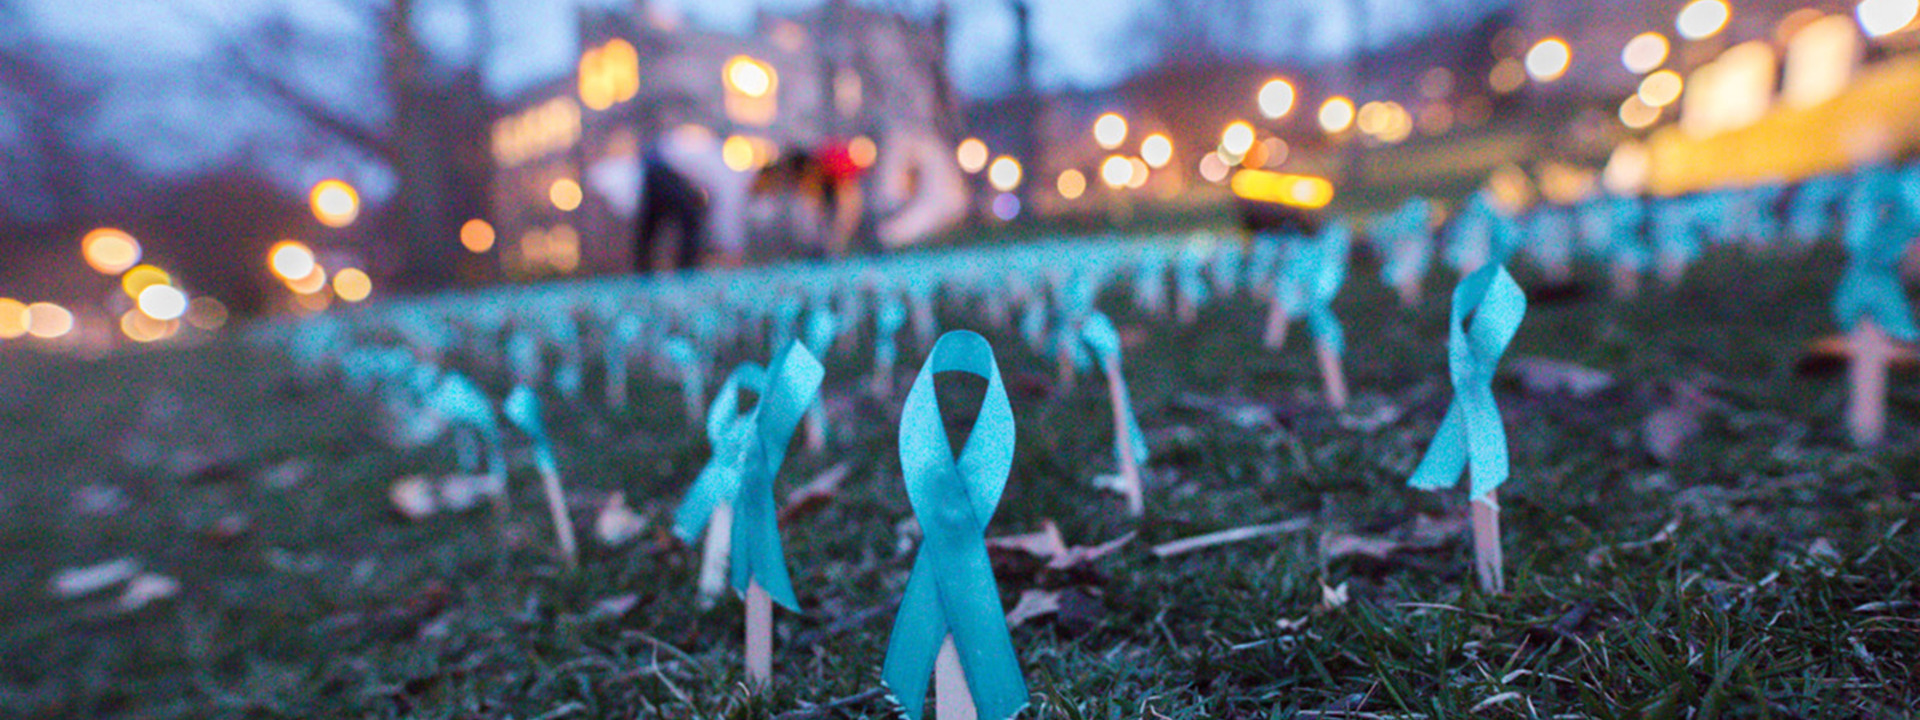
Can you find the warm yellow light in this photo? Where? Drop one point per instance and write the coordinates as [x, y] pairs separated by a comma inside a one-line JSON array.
[[13, 318], [1297, 190], [313, 282], [141, 277], [162, 302], [1156, 150], [1137, 173], [1336, 114], [1275, 98], [1115, 171], [609, 74], [141, 327], [750, 77], [1548, 60], [862, 151], [1702, 19], [335, 203], [563, 248], [565, 194], [477, 235], [290, 259], [737, 153], [1071, 184], [47, 320], [1644, 53], [1638, 115], [1660, 89], [1004, 174], [1507, 76], [110, 251], [1213, 169], [206, 313], [1110, 130], [971, 154], [1879, 18], [1236, 138], [352, 285]]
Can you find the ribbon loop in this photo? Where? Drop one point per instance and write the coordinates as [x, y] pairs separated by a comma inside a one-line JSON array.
[[952, 590], [728, 433], [793, 381], [1471, 435]]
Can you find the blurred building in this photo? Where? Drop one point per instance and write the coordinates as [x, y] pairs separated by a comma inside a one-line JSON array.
[[566, 153]]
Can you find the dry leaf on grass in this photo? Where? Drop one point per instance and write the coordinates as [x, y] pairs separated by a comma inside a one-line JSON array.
[[81, 581], [1546, 376], [1603, 555], [811, 497], [617, 524], [144, 589]]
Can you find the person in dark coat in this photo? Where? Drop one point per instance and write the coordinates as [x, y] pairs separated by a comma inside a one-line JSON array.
[[668, 200]]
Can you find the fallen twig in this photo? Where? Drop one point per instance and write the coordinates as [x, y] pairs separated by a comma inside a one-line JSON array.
[[1239, 534]]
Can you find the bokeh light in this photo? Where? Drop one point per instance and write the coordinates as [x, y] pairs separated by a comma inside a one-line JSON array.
[[1548, 60], [335, 203], [1004, 174], [47, 321], [13, 318], [1213, 168], [565, 194], [1006, 206], [141, 277], [1660, 89], [1236, 138], [1644, 53], [206, 313], [1702, 19], [1137, 173], [1115, 171], [1156, 150], [1336, 114], [1276, 98], [143, 328], [862, 151], [110, 251], [971, 154], [1110, 130], [737, 153], [289, 260], [1638, 115], [352, 285], [313, 282], [477, 235], [162, 302], [1071, 184], [750, 77], [1507, 76], [1879, 18]]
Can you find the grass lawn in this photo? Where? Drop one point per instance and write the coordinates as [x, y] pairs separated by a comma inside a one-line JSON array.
[[1787, 583]]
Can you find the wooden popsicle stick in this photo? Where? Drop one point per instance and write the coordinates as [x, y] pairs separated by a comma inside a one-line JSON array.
[[557, 506], [1064, 373], [759, 636], [1130, 484], [1626, 281], [1672, 269], [1185, 308], [1867, 383], [1275, 336], [951, 698], [1332, 376], [881, 383], [1409, 291], [714, 553], [1488, 561], [617, 391], [816, 428]]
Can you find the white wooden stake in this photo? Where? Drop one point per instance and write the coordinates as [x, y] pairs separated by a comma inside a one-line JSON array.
[[951, 698], [714, 552], [1409, 291], [1867, 383], [1488, 562], [1275, 336], [1130, 484], [816, 428], [1626, 281], [759, 636], [1332, 376], [557, 506]]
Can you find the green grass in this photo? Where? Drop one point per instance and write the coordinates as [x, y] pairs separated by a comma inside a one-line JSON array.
[[333, 606]]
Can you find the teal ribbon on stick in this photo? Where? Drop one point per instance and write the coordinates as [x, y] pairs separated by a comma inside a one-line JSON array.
[[729, 434], [1870, 287], [1471, 435], [952, 590], [793, 382], [1098, 333]]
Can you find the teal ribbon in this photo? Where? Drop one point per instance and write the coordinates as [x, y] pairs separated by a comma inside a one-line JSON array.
[[887, 321], [619, 347], [693, 380], [1311, 277], [523, 355], [460, 401], [793, 382], [568, 376], [952, 590], [522, 408], [1098, 333], [729, 434], [1471, 435], [785, 315], [1407, 241], [1870, 287]]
